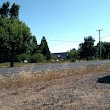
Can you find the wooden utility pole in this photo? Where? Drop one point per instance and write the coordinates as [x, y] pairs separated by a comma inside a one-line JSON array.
[[100, 43]]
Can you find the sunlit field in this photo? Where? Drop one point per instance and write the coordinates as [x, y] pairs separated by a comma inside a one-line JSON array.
[[66, 89]]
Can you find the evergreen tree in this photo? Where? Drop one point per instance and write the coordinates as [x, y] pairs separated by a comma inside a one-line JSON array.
[[44, 49], [33, 47]]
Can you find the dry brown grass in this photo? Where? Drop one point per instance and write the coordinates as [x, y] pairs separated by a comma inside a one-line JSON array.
[[26, 78], [67, 89]]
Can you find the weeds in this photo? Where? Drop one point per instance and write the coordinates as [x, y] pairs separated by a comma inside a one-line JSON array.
[[25, 78]]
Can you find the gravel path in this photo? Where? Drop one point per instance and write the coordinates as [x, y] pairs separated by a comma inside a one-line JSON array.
[[53, 66]]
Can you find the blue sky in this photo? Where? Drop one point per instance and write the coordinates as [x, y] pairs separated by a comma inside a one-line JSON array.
[[65, 23]]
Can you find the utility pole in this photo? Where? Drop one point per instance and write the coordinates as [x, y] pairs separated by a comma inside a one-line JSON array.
[[100, 43]]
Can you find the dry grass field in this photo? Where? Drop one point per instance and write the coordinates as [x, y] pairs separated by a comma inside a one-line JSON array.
[[81, 88]]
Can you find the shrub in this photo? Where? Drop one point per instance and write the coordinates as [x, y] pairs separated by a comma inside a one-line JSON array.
[[36, 58], [22, 57], [73, 60]]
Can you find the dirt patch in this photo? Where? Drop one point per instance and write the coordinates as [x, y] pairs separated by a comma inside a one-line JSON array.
[[68, 89]]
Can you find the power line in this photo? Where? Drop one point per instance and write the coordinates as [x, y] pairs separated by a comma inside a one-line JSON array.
[[56, 40], [105, 36], [59, 40], [64, 40]]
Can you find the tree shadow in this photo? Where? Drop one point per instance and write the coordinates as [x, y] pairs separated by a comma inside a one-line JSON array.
[[105, 79]]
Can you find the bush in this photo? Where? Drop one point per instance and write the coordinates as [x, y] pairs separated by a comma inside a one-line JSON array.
[[90, 58], [73, 60], [54, 57], [22, 57], [36, 58], [73, 55]]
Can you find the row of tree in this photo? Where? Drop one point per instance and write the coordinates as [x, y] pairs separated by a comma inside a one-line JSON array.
[[18, 44], [16, 39], [88, 51]]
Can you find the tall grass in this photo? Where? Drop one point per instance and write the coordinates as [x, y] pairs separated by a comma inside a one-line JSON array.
[[24, 78]]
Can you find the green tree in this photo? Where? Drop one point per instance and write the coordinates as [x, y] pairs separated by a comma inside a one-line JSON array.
[[44, 49], [33, 47], [87, 49], [4, 10], [73, 55], [105, 50], [14, 11], [3, 45], [4, 51], [107, 47], [14, 35]]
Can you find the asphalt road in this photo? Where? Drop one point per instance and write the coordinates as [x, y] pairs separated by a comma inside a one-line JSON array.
[[53, 66]]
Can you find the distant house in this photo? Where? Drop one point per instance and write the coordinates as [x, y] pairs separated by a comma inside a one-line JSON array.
[[60, 56]]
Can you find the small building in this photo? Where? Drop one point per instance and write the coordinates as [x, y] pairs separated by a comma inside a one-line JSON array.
[[60, 55]]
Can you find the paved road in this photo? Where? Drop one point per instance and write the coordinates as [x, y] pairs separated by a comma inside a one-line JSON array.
[[53, 66]]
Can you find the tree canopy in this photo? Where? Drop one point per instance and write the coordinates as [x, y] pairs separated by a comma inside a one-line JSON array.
[[15, 36], [87, 49]]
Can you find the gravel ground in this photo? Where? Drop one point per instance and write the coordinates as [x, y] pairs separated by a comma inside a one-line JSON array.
[[85, 91], [51, 66]]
